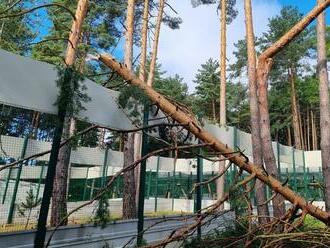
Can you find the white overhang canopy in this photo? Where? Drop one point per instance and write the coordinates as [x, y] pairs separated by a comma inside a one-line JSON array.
[[30, 84]]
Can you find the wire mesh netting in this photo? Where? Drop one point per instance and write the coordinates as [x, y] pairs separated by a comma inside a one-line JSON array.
[[168, 183]]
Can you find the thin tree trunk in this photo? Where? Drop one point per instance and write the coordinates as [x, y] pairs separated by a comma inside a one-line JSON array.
[[144, 41], [156, 42], [254, 110], [324, 104], [302, 138], [214, 112], [314, 138], [289, 136], [294, 110], [223, 53], [59, 198], [35, 124], [129, 191], [308, 131], [190, 123]]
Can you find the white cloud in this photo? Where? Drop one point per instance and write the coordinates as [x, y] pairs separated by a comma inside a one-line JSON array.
[[183, 51]]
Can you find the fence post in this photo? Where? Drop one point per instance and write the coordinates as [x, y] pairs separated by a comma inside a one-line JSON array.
[[278, 161], [86, 181], [143, 168], [294, 170], [149, 184], [199, 193], [156, 189], [305, 176], [173, 187], [105, 167], [51, 170], [18, 177], [40, 180], [6, 187]]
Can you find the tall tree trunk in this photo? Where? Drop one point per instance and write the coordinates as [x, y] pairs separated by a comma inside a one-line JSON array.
[[156, 42], [129, 191], [254, 110], [59, 198], [264, 66], [223, 54], [142, 76], [324, 104], [294, 110]]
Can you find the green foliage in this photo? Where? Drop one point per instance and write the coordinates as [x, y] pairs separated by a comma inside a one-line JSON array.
[[71, 91], [231, 10], [15, 33], [31, 202], [102, 215]]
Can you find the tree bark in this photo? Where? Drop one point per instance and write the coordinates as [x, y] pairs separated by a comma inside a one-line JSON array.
[[314, 133], [324, 104], [308, 131], [129, 191], [144, 41], [264, 66], [294, 110], [156, 42], [260, 189], [190, 123], [59, 198], [223, 53], [289, 136]]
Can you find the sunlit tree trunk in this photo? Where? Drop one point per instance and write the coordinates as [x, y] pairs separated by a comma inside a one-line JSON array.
[[264, 66], [324, 104], [129, 190], [156, 42], [223, 48], [260, 189], [294, 110], [59, 198]]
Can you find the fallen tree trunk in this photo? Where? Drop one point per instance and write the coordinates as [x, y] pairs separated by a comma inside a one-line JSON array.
[[181, 116]]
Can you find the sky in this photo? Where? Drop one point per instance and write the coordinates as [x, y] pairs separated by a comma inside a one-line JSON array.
[[183, 51]]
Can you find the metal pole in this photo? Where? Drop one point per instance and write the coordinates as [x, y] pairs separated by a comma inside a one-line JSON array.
[[143, 167], [149, 184], [278, 160], [294, 170], [18, 177], [173, 187], [199, 193], [51, 170], [86, 181], [6, 187], [305, 176], [156, 189], [105, 167], [40, 180]]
